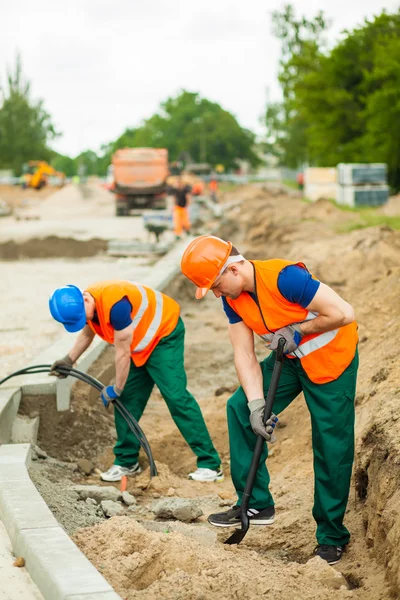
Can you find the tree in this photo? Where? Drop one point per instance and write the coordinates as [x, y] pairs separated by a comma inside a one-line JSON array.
[[382, 110], [65, 164], [25, 126], [190, 124], [350, 99], [301, 42]]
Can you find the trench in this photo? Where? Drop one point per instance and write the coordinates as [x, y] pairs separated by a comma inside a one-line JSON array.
[[146, 564]]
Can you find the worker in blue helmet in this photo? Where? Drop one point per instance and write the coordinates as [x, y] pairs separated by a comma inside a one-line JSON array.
[[145, 328], [67, 306]]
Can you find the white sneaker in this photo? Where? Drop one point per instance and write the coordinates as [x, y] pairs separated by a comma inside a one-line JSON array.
[[206, 475], [115, 472]]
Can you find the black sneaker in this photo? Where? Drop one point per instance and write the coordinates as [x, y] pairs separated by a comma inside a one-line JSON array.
[[332, 554], [231, 517]]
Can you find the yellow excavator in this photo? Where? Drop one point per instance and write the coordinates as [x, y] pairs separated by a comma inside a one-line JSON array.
[[38, 173]]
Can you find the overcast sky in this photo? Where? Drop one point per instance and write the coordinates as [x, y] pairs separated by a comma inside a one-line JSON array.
[[104, 65]]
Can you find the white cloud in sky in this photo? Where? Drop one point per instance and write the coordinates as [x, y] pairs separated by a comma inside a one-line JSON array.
[[102, 66]]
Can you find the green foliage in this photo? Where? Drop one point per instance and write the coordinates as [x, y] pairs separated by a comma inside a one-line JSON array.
[[25, 126], [301, 40], [370, 219], [342, 105], [65, 164], [194, 126]]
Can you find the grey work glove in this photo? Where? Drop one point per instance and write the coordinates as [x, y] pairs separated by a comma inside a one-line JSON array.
[[256, 408], [293, 336], [62, 362]]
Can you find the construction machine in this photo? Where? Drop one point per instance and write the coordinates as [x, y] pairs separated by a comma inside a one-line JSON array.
[[38, 172], [139, 179]]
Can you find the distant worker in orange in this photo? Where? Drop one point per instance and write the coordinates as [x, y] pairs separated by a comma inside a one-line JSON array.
[[300, 180], [213, 188], [182, 196]]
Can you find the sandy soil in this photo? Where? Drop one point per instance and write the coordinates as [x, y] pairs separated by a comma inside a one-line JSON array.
[[364, 267]]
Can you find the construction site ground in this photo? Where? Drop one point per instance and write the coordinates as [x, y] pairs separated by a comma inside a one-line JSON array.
[[361, 264]]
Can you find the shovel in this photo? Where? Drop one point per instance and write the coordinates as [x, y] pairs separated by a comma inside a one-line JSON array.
[[239, 534]]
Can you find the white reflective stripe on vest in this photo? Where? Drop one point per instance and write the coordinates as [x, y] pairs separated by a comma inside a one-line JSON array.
[[154, 325], [143, 306], [315, 344], [310, 315]]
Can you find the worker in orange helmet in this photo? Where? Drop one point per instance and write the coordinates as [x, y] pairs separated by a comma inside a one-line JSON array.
[[278, 299], [182, 197], [148, 334]]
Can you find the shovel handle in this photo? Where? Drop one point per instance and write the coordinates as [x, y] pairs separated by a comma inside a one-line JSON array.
[[267, 413]]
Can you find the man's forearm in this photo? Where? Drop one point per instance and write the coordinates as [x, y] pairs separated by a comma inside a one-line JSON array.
[[250, 376], [122, 366], [323, 323], [82, 343]]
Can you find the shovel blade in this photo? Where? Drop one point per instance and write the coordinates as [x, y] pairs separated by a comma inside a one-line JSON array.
[[236, 537]]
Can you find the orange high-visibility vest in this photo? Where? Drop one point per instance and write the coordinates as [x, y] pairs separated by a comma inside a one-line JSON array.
[[154, 315], [324, 356]]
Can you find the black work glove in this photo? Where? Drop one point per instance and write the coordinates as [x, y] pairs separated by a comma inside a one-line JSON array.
[[65, 362], [256, 408], [292, 335]]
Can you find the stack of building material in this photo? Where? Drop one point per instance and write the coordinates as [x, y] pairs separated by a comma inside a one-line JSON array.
[[362, 184], [320, 183]]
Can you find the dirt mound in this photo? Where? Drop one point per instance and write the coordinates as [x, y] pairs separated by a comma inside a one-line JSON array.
[[144, 564], [51, 247]]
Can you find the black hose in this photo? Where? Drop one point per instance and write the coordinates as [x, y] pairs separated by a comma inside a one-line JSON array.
[[86, 378], [126, 415]]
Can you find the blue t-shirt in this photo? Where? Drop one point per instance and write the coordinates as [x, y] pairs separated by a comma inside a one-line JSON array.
[[294, 283], [120, 314]]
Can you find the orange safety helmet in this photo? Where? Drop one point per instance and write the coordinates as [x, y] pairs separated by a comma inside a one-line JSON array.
[[203, 260]]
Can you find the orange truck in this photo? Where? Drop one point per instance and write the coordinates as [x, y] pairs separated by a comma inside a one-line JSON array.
[[139, 179]]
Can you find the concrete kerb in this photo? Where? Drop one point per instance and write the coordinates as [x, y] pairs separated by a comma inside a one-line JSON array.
[[9, 404], [55, 564]]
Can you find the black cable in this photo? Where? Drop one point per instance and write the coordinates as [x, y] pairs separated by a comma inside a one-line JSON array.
[[129, 418], [86, 378], [97, 384], [126, 415], [25, 371]]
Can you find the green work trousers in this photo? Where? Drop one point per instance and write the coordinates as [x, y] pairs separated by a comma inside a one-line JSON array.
[[165, 368], [331, 407]]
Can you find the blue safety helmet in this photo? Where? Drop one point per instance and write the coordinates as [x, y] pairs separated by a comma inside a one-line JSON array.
[[67, 307]]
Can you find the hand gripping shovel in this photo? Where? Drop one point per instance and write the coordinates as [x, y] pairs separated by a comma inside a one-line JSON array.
[[239, 534]]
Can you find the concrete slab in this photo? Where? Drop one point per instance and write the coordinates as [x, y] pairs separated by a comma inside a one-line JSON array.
[[58, 567], [97, 596], [11, 454], [25, 430], [10, 473], [22, 507], [16, 583], [9, 404]]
